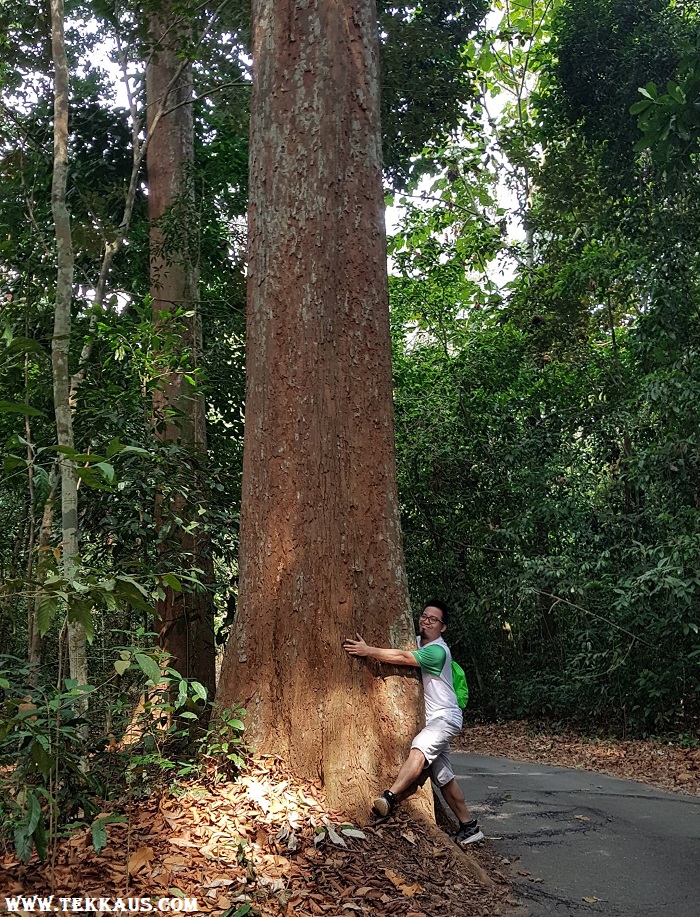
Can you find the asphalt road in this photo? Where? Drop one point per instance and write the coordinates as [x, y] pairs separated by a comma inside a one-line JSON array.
[[572, 835]]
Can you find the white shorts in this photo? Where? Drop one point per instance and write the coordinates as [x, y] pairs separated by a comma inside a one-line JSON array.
[[434, 742]]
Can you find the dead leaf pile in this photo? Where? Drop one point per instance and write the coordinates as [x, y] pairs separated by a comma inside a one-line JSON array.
[[270, 842], [671, 767]]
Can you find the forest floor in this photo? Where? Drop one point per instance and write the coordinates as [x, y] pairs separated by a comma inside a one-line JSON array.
[[661, 764], [265, 844]]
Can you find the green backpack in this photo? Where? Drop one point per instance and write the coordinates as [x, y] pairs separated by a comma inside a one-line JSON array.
[[459, 683]]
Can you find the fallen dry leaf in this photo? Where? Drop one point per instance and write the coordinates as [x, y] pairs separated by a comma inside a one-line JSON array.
[[400, 883], [661, 764], [138, 859], [206, 817], [333, 834]]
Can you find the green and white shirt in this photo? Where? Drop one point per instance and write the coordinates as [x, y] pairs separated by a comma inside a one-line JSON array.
[[435, 662]]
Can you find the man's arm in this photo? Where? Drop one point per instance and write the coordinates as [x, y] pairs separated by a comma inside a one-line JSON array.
[[358, 647]]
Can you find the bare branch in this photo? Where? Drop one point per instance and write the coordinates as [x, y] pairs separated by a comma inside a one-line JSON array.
[[207, 93]]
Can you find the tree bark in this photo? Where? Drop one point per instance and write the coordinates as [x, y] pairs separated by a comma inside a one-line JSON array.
[[186, 618], [31, 644], [60, 342], [45, 532], [321, 554]]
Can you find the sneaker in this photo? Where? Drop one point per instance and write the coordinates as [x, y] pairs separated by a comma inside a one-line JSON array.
[[385, 804], [469, 833]]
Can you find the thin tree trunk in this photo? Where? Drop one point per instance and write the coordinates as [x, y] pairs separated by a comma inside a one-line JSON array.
[[19, 544], [45, 532], [186, 618], [321, 555], [30, 541], [60, 343]]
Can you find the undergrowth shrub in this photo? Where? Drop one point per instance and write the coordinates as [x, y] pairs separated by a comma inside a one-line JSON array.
[[61, 768]]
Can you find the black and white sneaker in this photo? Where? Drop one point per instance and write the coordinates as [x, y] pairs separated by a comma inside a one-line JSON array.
[[469, 833], [385, 804]]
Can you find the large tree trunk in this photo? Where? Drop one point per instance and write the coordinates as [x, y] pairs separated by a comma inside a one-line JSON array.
[[186, 618], [60, 342], [321, 554]]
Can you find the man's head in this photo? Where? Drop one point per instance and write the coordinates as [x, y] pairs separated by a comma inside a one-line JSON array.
[[433, 621]]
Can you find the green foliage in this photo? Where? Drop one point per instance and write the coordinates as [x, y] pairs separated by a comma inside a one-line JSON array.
[[547, 420], [99, 830], [573, 596], [547, 429], [605, 50], [223, 745], [425, 86], [53, 780], [42, 758], [670, 121]]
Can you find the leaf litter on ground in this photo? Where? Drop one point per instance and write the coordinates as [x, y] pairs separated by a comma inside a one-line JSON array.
[[652, 761], [265, 844]]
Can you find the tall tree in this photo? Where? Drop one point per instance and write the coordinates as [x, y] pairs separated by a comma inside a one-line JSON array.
[[60, 344], [321, 555], [186, 617]]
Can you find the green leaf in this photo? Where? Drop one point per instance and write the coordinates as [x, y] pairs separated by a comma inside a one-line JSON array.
[[113, 448], [25, 345], [169, 579], [149, 667], [10, 407], [675, 92], [48, 605], [134, 450], [121, 665], [199, 690], [33, 813], [80, 610], [12, 462], [99, 830], [68, 451], [181, 694], [91, 478], [237, 912], [128, 588], [131, 581], [41, 759], [107, 471], [24, 843], [40, 839], [99, 835]]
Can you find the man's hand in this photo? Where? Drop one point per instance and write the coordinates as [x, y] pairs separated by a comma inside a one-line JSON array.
[[356, 647]]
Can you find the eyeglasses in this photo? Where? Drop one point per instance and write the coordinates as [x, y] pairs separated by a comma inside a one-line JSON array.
[[430, 619]]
